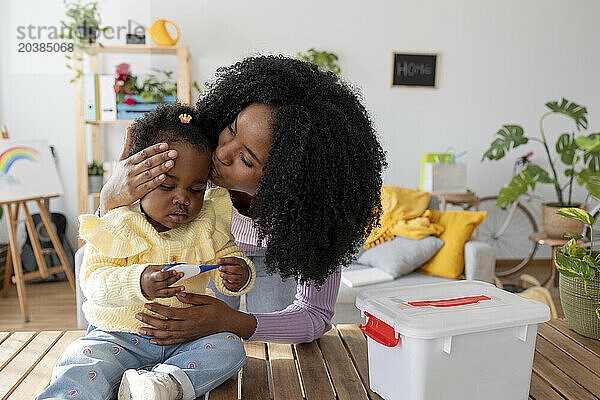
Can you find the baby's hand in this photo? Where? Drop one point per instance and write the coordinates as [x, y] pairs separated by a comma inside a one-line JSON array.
[[234, 273], [155, 283]]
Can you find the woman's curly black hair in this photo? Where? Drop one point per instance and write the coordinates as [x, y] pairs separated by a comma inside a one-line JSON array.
[[164, 125], [319, 195]]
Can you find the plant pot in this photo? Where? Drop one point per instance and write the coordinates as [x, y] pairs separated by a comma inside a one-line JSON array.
[[579, 309], [555, 225], [95, 183]]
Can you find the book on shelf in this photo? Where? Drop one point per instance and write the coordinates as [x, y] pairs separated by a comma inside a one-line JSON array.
[[108, 98], [90, 97]]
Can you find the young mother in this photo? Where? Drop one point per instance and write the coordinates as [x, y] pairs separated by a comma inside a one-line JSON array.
[[298, 152]]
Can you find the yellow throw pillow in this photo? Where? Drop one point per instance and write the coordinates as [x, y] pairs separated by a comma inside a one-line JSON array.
[[458, 227]]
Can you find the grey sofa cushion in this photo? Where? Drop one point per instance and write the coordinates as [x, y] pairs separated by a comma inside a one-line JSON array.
[[401, 256], [348, 294]]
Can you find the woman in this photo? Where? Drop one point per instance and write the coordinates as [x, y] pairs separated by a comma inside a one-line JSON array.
[[299, 154]]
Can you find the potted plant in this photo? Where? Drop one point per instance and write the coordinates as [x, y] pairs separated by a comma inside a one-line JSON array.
[[82, 27], [580, 156], [95, 179], [579, 283], [325, 60]]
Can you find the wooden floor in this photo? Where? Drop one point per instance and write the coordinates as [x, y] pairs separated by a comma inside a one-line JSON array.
[[334, 367], [52, 304]]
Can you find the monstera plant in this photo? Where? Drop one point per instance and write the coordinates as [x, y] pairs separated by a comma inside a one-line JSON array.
[[578, 152]]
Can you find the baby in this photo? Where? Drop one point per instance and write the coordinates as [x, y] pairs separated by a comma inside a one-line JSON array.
[[180, 221]]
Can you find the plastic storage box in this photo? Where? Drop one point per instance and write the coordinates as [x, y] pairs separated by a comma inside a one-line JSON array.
[[456, 340]]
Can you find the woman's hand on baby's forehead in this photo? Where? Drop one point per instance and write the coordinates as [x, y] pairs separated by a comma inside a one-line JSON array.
[[136, 176]]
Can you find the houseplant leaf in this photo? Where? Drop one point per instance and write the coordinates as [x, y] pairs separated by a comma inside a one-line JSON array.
[[591, 145], [572, 110], [567, 148], [573, 267], [591, 180], [520, 183], [577, 214], [510, 136], [572, 236], [589, 142]]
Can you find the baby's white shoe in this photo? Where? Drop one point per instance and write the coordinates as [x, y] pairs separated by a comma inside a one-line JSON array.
[[149, 385]]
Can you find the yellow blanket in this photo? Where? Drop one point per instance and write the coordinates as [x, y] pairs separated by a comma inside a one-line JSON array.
[[404, 214]]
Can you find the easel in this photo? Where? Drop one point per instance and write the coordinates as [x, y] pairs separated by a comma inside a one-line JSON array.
[[13, 258]]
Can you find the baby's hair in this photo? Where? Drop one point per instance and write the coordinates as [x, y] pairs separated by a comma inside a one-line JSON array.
[[165, 125]]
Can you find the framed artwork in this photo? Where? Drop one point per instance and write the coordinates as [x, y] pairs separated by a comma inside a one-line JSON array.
[[415, 69], [27, 171]]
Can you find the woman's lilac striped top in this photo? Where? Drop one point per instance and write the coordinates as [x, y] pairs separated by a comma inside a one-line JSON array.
[[308, 317]]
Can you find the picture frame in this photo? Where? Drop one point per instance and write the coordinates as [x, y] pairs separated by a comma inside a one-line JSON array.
[[419, 70]]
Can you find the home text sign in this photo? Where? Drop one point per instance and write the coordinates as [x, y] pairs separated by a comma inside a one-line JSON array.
[[418, 70]]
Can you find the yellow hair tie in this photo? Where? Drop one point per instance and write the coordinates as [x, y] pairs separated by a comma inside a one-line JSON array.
[[185, 118]]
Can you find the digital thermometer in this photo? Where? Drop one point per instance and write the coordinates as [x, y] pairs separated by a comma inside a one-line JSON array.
[[190, 270]]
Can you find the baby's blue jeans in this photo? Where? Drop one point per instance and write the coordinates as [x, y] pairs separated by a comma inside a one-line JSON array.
[[92, 367]]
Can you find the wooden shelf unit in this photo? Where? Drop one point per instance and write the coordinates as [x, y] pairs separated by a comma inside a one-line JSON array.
[[184, 95]]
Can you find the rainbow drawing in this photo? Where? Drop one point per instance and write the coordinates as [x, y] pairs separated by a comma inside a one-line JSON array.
[[12, 154]]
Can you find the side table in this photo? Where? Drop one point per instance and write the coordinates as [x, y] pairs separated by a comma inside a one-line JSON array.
[[555, 243], [466, 200]]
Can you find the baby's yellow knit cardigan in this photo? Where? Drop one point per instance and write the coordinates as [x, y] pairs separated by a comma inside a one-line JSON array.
[[122, 244]]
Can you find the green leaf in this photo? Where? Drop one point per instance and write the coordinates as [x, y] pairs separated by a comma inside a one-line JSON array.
[[591, 145], [571, 248], [572, 236], [537, 174], [520, 183], [567, 148], [573, 267], [591, 180], [577, 214], [589, 260], [510, 136], [572, 110]]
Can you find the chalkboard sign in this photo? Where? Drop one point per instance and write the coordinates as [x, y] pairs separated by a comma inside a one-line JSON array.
[[419, 70]]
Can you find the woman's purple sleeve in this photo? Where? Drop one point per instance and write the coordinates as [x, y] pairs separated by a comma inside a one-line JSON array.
[[305, 320]]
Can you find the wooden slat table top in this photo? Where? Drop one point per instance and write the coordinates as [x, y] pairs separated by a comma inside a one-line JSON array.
[[566, 366]]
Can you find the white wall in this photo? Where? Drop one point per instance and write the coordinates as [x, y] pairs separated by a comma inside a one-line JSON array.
[[500, 61]]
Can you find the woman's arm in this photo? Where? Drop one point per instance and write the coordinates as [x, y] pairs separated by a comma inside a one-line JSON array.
[[303, 321], [137, 175]]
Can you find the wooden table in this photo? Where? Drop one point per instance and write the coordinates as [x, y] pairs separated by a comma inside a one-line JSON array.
[[566, 366]]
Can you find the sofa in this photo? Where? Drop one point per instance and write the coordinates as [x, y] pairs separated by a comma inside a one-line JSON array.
[[480, 263]]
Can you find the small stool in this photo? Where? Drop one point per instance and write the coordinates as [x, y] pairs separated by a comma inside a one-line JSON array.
[[466, 200], [542, 238]]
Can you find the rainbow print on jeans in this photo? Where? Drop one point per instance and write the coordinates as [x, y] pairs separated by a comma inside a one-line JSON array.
[[10, 155]]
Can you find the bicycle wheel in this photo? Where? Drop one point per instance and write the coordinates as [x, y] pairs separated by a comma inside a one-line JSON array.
[[508, 235]]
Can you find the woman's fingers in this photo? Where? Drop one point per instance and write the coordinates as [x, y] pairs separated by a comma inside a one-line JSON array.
[[166, 311], [141, 176], [150, 153], [192, 298], [158, 323]]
